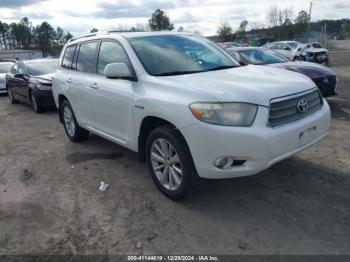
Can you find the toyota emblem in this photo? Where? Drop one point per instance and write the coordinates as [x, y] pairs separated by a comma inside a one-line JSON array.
[[302, 106]]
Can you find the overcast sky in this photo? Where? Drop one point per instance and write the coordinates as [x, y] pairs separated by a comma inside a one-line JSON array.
[[80, 16]]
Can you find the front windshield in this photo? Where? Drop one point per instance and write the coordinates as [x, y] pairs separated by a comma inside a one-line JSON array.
[[163, 55], [5, 67], [262, 57], [293, 45], [42, 67]]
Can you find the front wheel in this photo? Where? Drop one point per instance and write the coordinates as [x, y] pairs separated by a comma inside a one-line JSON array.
[[74, 132], [34, 103], [170, 163], [11, 96]]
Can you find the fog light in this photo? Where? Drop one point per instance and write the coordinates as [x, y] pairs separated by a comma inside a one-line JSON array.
[[223, 162]]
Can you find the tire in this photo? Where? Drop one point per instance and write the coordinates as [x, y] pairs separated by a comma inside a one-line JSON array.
[[34, 104], [11, 96], [166, 180], [74, 132]]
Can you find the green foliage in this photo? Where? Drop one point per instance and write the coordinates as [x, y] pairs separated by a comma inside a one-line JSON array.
[[302, 18], [160, 21], [346, 29]]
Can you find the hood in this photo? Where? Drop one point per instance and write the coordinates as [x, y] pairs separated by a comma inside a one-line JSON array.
[[315, 50], [43, 79], [311, 70], [251, 84]]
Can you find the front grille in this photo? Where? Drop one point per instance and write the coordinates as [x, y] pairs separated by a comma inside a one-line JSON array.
[[286, 111]]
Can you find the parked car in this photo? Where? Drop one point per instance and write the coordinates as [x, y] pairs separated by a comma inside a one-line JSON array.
[[324, 77], [314, 53], [289, 49], [186, 116], [31, 82], [5, 66], [230, 44]]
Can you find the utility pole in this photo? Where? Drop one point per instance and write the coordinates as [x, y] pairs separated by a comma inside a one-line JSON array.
[[309, 24]]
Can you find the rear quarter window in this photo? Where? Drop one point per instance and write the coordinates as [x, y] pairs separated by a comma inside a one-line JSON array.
[[68, 57]]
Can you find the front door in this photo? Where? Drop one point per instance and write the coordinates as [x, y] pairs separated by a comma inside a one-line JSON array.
[[112, 98]]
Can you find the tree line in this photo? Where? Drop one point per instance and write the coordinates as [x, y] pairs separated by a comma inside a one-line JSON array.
[[50, 41], [282, 24], [23, 35]]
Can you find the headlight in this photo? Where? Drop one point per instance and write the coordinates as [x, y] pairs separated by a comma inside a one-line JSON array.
[[225, 114], [43, 87]]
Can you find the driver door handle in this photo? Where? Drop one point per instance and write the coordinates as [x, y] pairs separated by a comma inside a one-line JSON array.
[[69, 80]]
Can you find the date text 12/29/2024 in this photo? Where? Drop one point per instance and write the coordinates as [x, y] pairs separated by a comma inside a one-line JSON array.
[[173, 258]]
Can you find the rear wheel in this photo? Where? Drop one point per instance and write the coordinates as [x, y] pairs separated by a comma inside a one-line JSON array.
[[170, 163], [74, 132], [11, 96]]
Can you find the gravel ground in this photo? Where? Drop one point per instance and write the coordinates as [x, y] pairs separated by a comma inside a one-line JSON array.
[[50, 202]]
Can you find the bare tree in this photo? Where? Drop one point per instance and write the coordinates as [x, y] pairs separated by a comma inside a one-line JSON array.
[[272, 15], [225, 31], [241, 33], [285, 16]]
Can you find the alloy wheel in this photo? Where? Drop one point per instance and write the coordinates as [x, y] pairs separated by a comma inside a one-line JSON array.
[[69, 121], [34, 103], [10, 94], [166, 164]]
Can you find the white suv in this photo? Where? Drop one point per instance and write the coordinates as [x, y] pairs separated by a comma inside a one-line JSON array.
[[185, 105]]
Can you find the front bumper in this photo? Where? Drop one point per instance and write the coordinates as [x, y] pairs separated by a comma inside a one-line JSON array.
[[261, 146], [44, 98], [328, 85], [3, 88]]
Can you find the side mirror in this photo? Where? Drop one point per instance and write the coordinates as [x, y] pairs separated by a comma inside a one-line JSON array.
[[117, 70], [236, 56], [287, 48], [23, 76]]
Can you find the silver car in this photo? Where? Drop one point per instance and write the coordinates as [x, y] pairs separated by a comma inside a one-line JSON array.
[[5, 67]]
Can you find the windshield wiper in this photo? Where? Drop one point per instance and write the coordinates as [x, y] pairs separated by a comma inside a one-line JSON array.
[[173, 73], [221, 67]]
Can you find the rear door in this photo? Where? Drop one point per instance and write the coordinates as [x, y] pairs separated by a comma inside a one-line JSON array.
[[112, 98], [81, 79]]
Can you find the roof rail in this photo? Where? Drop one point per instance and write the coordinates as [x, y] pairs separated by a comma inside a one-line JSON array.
[[82, 36], [120, 31]]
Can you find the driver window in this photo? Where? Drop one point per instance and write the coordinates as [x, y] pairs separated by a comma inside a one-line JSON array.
[[22, 69], [110, 52], [14, 69]]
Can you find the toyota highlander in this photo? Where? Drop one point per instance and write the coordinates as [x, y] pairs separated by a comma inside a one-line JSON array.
[[185, 105]]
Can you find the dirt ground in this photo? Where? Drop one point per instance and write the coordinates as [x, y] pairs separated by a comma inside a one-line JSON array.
[[50, 202]]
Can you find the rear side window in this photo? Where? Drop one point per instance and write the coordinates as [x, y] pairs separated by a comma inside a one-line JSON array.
[[110, 52], [86, 57], [68, 57]]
